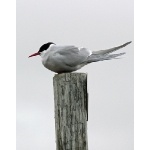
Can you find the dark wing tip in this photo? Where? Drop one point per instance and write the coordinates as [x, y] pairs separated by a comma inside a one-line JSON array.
[[128, 42]]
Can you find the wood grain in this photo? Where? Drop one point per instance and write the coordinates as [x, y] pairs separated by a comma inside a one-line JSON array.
[[71, 111]]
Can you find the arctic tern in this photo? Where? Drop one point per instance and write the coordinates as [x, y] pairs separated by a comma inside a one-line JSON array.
[[63, 59]]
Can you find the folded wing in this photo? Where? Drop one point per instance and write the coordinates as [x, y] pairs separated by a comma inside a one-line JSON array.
[[71, 55]]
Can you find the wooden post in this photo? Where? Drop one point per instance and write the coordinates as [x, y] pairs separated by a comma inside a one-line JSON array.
[[71, 111]]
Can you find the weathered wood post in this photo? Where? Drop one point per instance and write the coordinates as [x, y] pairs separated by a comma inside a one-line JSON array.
[[71, 111]]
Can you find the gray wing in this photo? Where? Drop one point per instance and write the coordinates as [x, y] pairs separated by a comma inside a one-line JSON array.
[[71, 55], [107, 51], [105, 54]]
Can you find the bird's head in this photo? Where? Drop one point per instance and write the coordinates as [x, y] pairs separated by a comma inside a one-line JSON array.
[[42, 49]]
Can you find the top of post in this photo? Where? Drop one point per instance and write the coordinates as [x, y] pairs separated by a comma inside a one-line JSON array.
[[68, 75]]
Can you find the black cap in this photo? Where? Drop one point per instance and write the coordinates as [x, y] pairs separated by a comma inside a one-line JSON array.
[[45, 46]]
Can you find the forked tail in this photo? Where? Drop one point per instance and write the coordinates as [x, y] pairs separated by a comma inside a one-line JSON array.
[[105, 54]]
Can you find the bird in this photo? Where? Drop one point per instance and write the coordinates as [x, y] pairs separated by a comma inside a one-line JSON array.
[[69, 58]]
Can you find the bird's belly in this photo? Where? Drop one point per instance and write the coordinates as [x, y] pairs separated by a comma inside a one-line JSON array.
[[58, 67]]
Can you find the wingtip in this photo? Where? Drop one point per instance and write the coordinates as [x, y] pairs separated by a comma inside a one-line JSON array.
[[129, 42]]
